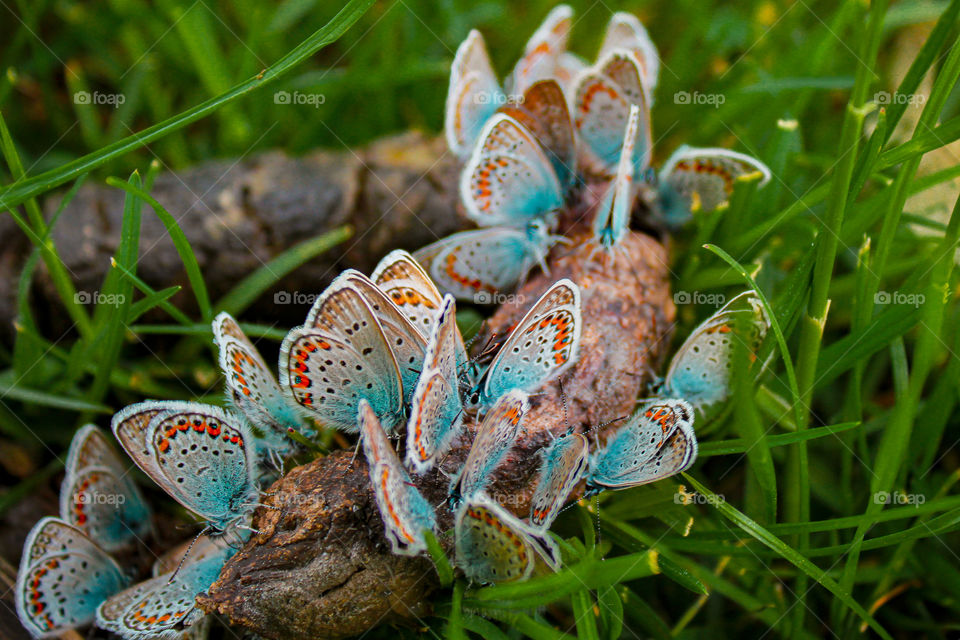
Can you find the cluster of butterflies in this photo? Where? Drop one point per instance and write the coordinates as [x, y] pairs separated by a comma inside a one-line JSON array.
[[382, 356], [68, 578], [560, 127]]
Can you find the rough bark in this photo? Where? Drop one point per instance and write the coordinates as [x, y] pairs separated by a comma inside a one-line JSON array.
[[321, 567], [399, 192]]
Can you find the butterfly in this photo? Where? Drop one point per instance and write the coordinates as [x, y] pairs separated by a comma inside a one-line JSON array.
[[564, 465], [163, 606], [699, 371], [509, 181], [201, 455], [342, 355], [253, 389], [656, 442], [436, 411], [63, 578], [407, 284], [474, 93], [602, 100], [406, 514], [477, 265], [492, 545], [98, 497], [494, 439], [541, 347], [613, 216], [702, 179]]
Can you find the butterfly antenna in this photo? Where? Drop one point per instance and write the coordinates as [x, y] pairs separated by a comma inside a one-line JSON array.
[[563, 398], [603, 424], [183, 558], [598, 521], [356, 450]]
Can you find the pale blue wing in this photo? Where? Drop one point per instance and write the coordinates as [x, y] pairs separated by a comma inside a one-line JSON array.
[[542, 345], [472, 97], [509, 181], [564, 465], [63, 578], [405, 513]]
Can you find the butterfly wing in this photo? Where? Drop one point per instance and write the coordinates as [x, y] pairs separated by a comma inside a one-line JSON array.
[[564, 464], [97, 496], [472, 97], [625, 31], [407, 284], [508, 181], [492, 545], [600, 112], [339, 357], [207, 458], [405, 339], [63, 578], [622, 67], [695, 179], [545, 114], [164, 606], [252, 387], [543, 49], [404, 511], [436, 411], [129, 426], [474, 265], [657, 443], [542, 345], [495, 438], [700, 370], [613, 216], [569, 66]]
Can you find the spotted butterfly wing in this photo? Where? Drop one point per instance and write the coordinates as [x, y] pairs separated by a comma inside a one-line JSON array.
[[129, 426], [494, 546], [545, 114], [602, 99], [63, 578], [625, 31], [509, 181], [543, 49], [569, 66], [340, 357], [406, 514], [494, 439], [98, 496], [206, 459], [407, 284], [164, 606], [472, 96], [656, 443], [702, 179], [541, 347], [700, 370], [564, 465], [252, 387], [436, 411], [475, 265], [613, 217]]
